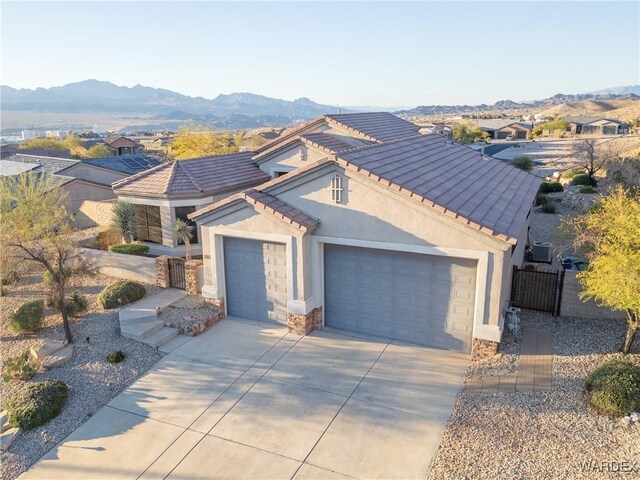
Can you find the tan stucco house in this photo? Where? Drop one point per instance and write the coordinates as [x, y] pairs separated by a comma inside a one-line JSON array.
[[501, 129]]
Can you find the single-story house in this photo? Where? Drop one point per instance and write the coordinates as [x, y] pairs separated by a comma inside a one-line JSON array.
[[412, 238], [85, 179], [500, 129], [596, 126], [177, 188]]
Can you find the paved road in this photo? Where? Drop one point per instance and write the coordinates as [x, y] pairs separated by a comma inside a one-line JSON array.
[[248, 400]]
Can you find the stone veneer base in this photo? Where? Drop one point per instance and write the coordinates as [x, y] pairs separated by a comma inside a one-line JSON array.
[[481, 349]]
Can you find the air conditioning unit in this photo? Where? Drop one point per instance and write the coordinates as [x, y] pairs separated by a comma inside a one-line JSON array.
[[541, 252]]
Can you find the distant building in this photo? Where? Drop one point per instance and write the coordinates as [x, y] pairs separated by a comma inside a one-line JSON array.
[[28, 134], [596, 126], [501, 129], [98, 129], [123, 146], [56, 133]]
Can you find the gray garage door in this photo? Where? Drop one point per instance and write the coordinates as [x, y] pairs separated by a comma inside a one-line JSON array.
[[256, 279], [406, 296]]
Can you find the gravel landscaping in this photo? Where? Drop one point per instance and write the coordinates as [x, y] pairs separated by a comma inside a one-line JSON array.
[[542, 435], [92, 380]]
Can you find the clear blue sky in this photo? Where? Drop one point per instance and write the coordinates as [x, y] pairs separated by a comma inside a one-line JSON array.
[[360, 53]]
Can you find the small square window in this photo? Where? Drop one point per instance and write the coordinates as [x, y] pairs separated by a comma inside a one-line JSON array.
[[336, 188]]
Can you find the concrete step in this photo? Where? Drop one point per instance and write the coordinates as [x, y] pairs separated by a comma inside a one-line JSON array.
[[135, 313], [141, 330], [162, 336], [132, 321]]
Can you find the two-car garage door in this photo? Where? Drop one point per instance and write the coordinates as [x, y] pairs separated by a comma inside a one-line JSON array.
[[411, 297]]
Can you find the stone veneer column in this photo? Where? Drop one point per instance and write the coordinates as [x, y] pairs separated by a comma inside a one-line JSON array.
[[300, 324], [191, 279], [162, 271], [481, 349], [218, 303]]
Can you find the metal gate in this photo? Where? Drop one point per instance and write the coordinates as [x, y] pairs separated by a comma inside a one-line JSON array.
[[176, 273], [537, 290]]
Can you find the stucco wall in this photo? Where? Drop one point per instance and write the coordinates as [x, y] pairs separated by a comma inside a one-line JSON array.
[[79, 191], [572, 306], [92, 214], [94, 174], [118, 265], [291, 158]]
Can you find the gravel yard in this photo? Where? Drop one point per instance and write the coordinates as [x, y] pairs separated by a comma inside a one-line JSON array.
[[541, 435], [92, 380]]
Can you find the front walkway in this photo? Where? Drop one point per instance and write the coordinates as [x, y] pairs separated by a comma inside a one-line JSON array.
[[248, 400], [534, 368]]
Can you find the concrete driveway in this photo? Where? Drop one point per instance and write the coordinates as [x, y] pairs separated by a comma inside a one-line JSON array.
[[248, 400]]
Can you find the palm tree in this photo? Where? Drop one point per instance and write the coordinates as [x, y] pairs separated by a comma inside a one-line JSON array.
[[124, 219], [184, 233]]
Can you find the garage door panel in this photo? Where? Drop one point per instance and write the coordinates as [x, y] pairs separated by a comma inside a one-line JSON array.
[[256, 279], [410, 297]]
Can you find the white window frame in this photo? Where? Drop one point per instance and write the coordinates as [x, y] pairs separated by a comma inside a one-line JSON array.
[[336, 188]]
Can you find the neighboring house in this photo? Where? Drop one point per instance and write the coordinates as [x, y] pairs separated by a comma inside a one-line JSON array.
[[596, 126], [123, 146], [87, 179], [190, 184], [159, 145], [14, 148], [412, 238], [500, 129]]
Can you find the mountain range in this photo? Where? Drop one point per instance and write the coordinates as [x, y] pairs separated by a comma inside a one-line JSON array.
[[165, 109]]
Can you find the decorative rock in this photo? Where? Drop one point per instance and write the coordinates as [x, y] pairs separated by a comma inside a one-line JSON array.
[[7, 438], [46, 347], [635, 416], [626, 421], [4, 417], [58, 358]]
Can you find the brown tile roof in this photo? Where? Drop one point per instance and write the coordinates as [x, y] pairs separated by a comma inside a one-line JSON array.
[[325, 141], [195, 177], [269, 204], [377, 126], [485, 193]]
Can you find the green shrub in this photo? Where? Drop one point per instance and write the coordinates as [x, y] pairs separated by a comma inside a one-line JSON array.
[[572, 172], [76, 303], [27, 318], [582, 179], [115, 357], [36, 403], [135, 248], [548, 207], [19, 368], [550, 187], [540, 199], [587, 189], [523, 162], [47, 278], [9, 277], [120, 293], [614, 388], [3, 292]]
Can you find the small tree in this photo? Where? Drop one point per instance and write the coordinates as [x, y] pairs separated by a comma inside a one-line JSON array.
[[468, 133], [35, 228], [200, 141], [609, 236], [184, 234], [592, 156], [124, 220], [98, 151], [523, 162]]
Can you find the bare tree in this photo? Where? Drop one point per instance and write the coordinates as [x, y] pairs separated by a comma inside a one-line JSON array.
[[592, 156]]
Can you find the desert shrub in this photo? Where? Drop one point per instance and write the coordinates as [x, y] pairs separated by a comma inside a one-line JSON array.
[[9, 277], [107, 237], [523, 162], [587, 189], [135, 248], [614, 388], [550, 187], [115, 357], [27, 318], [19, 367], [582, 179], [540, 199], [120, 293], [76, 303], [572, 172], [548, 207], [36, 403]]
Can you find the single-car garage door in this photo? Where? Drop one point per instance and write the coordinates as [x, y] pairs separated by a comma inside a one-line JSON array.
[[411, 297], [256, 279]]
